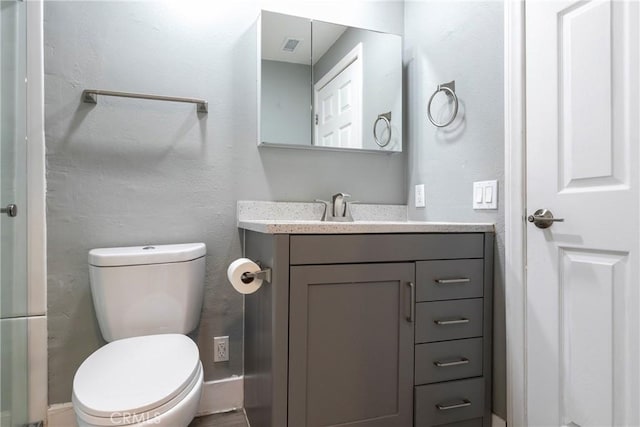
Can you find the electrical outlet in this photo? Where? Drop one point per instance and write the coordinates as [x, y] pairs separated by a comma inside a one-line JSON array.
[[419, 196], [220, 349]]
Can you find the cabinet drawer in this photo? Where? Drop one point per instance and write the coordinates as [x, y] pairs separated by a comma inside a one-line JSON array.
[[448, 320], [476, 422], [453, 279], [448, 360], [359, 248], [449, 402]]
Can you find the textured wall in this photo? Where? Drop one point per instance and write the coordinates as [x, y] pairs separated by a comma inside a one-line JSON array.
[[127, 172], [447, 40]]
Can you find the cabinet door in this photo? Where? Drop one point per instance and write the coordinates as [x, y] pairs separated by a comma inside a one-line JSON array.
[[351, 345]]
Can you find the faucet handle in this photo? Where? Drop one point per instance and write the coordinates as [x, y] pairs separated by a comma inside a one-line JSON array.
[[326, 208]]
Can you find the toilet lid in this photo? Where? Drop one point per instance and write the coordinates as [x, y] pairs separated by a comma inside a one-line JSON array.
[[135, 374]]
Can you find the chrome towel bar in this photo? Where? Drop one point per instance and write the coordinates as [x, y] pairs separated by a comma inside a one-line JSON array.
[[91, 96]]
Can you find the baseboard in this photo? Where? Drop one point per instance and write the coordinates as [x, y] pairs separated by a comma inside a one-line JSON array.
[[217, 396], [496, 421], [61, 415], [222, 396]]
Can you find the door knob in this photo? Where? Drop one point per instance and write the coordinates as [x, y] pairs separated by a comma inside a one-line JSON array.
[[11, 210], [543, 218]]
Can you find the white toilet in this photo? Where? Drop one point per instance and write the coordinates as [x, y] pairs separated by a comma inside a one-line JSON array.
[[149, 374]]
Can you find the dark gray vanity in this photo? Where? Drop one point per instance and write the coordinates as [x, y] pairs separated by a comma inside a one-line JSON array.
[[375, 329]]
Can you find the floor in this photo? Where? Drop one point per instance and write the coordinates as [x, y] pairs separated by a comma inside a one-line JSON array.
[[228, 419]]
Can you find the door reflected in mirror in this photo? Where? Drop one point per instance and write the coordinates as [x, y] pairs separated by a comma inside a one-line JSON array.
[[329, 86]]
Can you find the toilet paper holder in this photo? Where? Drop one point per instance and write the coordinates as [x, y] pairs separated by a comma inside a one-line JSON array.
[[264, 274]]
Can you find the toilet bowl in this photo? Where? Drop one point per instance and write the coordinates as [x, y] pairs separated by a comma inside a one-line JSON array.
[[149, 374], [142, 381]]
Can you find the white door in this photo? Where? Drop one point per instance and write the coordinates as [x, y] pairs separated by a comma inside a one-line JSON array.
[[582, 91], [338, 103]]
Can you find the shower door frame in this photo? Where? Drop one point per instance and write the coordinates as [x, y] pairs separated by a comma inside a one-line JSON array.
[[27, 328], [36, 217]]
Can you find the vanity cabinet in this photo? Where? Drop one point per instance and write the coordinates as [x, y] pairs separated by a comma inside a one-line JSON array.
[[350, 345], [370, 330]]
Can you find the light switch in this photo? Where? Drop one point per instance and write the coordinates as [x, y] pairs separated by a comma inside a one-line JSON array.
[[478, 196], [488, 194], [485, 195]]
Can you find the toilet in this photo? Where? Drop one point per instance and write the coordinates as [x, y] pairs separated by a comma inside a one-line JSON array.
[[149, 374]]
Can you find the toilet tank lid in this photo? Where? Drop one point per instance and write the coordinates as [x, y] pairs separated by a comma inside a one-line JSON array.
[[148, 254]]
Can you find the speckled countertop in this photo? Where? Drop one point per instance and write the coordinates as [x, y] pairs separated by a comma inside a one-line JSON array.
[[303, 218]]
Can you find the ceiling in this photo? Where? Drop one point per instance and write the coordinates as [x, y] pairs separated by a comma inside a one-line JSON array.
[[276, 28]]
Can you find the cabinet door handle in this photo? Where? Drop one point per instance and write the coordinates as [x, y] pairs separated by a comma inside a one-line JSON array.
[[462, 404], [452, 281], [451, 321], [461, 361], [412, 302]]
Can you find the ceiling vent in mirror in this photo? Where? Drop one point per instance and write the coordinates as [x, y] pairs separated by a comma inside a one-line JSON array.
[[290, 44]]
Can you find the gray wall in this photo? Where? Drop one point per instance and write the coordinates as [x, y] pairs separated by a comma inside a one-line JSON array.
[[285, 103], [127, 172], [382, 79], [447, 40]]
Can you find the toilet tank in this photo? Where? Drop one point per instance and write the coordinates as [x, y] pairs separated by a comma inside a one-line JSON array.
[[147, 290]]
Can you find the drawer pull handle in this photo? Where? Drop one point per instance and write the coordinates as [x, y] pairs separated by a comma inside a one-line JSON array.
[[452, 281], [463, 404], [451, 321], [461, 361]]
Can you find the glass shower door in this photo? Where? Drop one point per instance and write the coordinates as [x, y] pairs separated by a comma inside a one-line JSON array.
[[13, 221]]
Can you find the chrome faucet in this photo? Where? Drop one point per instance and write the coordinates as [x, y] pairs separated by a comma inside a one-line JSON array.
[[338, 209]]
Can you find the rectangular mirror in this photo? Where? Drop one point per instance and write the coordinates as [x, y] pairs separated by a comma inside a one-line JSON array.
[[329, 86]]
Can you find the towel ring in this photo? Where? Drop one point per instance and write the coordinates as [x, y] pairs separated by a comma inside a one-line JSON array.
[[449, 89], [386, 118]]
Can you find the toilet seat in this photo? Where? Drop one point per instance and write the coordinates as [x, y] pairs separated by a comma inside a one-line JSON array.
[[136, 379]]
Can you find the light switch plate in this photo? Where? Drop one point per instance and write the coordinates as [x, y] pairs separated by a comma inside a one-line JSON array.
[[485, 194], [419, 196]]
